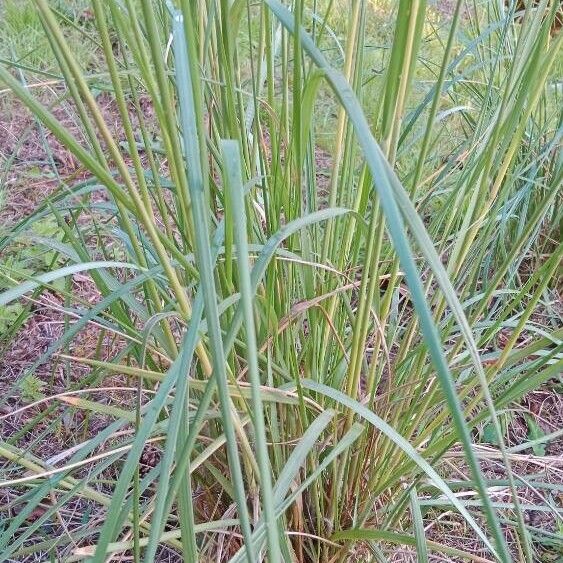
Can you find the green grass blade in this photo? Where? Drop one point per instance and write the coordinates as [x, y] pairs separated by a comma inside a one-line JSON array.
[[11, 295], [235, 190], [418, 525], [196, 184]]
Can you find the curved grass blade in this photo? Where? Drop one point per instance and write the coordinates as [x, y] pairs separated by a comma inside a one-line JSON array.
[[14, 293], [407, 448], [378, 167]]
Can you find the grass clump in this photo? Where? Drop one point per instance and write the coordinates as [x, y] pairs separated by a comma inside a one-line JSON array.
[[295, 353]]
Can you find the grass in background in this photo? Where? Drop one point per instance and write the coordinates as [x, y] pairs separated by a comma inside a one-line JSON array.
[[315, 346], [23, 39]]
